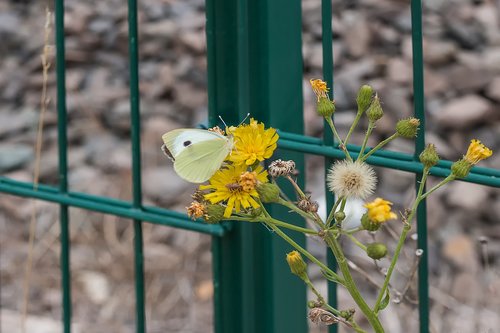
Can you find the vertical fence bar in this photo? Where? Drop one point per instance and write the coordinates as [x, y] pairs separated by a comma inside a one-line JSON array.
[[418, 94], [275, 97], [136, 164], [63, 165], [228, 255], [327, 48]]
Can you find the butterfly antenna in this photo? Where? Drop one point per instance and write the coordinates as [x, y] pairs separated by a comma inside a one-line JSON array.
[[223, 121], [246, 117]]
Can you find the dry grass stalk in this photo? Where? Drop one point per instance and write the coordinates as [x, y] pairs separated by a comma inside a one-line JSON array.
[[44, 101]]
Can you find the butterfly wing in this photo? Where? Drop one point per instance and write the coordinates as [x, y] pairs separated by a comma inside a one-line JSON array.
[[197, 154]]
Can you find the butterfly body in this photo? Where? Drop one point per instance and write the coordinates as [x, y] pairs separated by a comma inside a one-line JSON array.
[[197, 154]]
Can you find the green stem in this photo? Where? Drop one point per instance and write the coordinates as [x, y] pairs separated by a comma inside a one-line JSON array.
[[351, 285], [352, 231], [332, 211], [296, 209], [401, 241], [444, 181], [353, 126], [336, 135], [293, 227], [277, 222], [371, 126], [380, 145], [296, 187], [356, 241], [304, 251]]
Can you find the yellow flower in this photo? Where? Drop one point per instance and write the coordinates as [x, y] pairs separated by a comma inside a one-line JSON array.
[[379, 210], [236, 187], [252, 143], [319, 87], [477, 152]]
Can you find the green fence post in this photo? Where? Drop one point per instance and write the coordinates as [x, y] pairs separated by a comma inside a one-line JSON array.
[[63, 165], [255, 65]]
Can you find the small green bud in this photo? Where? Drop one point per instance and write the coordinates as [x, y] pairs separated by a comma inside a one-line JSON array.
[[325, 107], [408, 128], [368, 224], [312, 304], [364, 98], [256, 212], [339, 216], [268, 192], [429, 156], [297, 265], [215, 213], [461, 168], [375, 111], [376, 250]]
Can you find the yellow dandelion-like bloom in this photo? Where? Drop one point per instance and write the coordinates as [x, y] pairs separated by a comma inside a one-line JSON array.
[[196, 210], [236, 187], [379, 210], [319, 88], [351, 179], [252, 143], [477, 152]]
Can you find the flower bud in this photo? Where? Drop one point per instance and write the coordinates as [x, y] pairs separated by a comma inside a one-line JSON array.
[[312, 304], [297, 265], [215, 213], [375, 111], [429, 156], [368, 224], [339, 216], [364, 98], [376, 250], [407, 128], [268, 192], [461, 168], [325, 107]]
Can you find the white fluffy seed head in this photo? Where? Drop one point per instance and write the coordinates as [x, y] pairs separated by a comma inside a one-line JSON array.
[[351, 179]]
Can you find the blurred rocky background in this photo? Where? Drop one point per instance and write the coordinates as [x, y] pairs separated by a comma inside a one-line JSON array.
[[372, 45]]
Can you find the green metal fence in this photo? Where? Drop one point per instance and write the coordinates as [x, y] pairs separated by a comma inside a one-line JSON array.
[[254, 65]]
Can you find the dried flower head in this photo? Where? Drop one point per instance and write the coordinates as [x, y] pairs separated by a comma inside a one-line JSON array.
[[321, 316], [217, 129], [319, 88], [281, 168], [196, 210], [351, 179], [307, 205]]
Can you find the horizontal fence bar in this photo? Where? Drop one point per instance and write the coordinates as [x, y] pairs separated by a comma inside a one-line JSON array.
[[105, 205], [484, 176]]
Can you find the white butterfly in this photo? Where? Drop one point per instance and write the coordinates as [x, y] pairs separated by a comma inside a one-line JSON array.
[[197, 154]]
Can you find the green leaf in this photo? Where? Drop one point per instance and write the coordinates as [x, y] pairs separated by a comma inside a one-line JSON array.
[[385, 301]]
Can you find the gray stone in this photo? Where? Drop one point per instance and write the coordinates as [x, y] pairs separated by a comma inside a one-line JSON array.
[[460, 250], [357, 34], [164, 185], [468, 196], [14, 156], [493, 89], [466, 288], [399, 71], [438, 52], [464, 112]]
